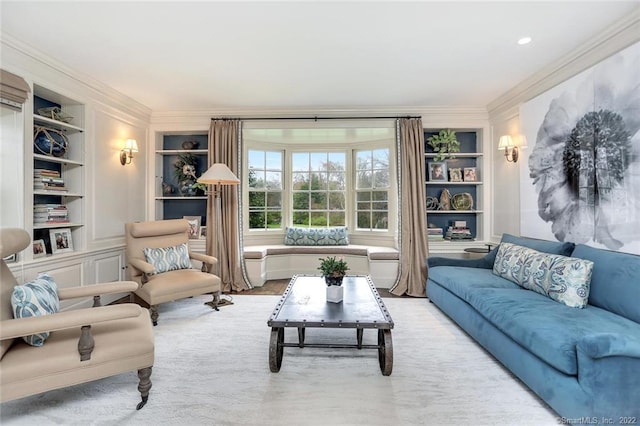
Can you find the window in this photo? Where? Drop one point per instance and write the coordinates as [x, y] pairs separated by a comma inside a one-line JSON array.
[[372, 188], [265, 189], [319, 188], [319, 174]]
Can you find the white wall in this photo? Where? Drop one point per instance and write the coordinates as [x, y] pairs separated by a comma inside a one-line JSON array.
[[114, 194]]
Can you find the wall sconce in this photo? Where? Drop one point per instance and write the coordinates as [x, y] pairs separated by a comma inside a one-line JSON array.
[[510, 149], [130, 146]]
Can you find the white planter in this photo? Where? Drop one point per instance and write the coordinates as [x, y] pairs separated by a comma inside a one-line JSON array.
[[335, 293]]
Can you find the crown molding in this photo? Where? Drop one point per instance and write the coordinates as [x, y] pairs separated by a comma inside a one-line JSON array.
[[620, 35], [428, 113], [96, 89]]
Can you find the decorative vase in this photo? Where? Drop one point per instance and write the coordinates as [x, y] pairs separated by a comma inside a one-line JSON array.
[[186, 188], [335, 293]]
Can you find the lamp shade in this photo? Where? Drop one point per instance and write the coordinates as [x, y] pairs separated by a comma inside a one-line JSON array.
[[131, 145], [219, 174], [505, 142]]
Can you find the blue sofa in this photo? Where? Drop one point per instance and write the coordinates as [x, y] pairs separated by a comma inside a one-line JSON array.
[[584, 363]]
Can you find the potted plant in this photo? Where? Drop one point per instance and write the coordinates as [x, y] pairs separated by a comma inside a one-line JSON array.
[[333, 270], [444, 144]]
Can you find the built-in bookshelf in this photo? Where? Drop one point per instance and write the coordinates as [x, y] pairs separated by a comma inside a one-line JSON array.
[[57, 173], [462, 177], [174, 199]]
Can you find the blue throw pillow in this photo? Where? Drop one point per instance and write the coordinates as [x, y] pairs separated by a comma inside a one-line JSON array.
[[336, 236], [35, 298], [563, 279], [164, 259]]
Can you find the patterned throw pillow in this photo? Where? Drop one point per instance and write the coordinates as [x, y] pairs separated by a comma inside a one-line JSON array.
[[35, 298], [165, 259], [336, 236], [563, 279]]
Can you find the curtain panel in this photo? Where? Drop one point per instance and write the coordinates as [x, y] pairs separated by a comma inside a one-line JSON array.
[[223, 148], [413, 218]]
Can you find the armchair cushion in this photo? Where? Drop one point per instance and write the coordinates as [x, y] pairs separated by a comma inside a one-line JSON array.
[[36, 298], [166, 259]]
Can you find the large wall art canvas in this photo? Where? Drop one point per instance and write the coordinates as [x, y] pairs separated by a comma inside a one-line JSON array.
[[580, 174]]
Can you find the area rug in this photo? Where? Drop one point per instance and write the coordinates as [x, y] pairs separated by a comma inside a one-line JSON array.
[[212, 368]]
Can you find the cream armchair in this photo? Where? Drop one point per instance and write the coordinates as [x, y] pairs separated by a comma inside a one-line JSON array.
[[156, 288], [83, 345]]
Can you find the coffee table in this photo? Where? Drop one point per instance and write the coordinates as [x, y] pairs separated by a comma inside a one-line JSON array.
[[303, 305]]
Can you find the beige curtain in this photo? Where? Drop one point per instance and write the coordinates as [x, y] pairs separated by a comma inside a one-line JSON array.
[[413, 220], [223, 148]]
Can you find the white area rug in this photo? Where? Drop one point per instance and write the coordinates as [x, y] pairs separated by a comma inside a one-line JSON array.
[[212, 369]]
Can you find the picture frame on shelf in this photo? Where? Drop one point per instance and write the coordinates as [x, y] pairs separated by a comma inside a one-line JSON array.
[[438, 171], [12, 258], [39, 249], [194, 226], [61, 241], [470, 174], [203, 232], [455, 174]]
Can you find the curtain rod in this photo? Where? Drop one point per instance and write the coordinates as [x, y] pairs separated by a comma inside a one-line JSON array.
[[315, 118]]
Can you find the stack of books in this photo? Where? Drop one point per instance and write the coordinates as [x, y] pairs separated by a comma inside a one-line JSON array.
[[458, 231], [46, 214], [48, 180], [435, 234]]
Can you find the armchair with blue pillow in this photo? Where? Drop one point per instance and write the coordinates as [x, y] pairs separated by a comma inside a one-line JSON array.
[[44, 349]]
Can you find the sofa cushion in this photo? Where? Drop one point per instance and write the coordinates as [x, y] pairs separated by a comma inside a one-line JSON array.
[[615, 282], [549, 330], [36, 298], [166, 259], [552, 247], [336, 236], [563, 279], [464, 281]]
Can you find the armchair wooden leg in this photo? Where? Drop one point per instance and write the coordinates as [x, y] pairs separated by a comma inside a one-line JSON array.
[[154, 314], [144, 374], [86, 343], [214, 302]]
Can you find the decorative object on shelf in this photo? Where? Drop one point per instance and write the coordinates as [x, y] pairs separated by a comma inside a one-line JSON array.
[[333, 270], [49, 141], [190, 144], [194, 226], [455, 174], [61, 241], [203, 232], [39, 249], [126, 154], [470, 174], [445, 200], [437, 171], [167, 188], [510, 149], [55, 113], [462, 201], [444, 144], [185, 173], [433, 203]]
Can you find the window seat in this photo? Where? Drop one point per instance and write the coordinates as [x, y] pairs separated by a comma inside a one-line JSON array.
[[279, 261]]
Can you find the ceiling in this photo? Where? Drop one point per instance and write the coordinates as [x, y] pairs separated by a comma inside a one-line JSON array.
[[208, 55]]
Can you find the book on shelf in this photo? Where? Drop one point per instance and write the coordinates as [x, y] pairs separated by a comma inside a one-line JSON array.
[[50, 213]]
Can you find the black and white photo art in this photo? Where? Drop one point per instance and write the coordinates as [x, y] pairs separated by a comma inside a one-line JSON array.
[[580, 174]]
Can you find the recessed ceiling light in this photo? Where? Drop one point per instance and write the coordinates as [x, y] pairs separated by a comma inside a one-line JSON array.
[[524, 40]]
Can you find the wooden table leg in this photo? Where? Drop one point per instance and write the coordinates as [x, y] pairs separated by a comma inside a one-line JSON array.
[[385, 352], [276, 349]]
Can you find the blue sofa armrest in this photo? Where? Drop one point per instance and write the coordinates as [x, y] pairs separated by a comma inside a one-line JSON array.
[[485, 262], [602, 345], [608, 366]]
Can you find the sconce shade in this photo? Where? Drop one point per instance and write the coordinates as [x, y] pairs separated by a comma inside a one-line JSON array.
[[126, 154], [219, 174], [131, 145], [505, 142], [510, 149]]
